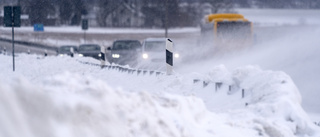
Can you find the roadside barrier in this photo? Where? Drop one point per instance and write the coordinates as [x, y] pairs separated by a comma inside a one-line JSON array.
[[218, 85], [31, 44], [317, 124], [125, 69]]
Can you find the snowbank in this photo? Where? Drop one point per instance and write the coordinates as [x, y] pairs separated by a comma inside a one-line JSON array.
[[57, 96], [72, 105]]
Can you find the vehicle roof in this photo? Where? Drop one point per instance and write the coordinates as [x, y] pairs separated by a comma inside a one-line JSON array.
[[155, 39], [127, 40], [226, 17], [68, 46], [88, 44]]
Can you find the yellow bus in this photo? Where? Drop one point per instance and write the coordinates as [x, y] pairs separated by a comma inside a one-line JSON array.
[[227, 31]]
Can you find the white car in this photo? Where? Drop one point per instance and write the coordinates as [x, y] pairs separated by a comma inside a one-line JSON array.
[[154, 52]]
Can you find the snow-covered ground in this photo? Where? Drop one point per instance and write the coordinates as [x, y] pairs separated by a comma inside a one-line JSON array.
[[57, 96]]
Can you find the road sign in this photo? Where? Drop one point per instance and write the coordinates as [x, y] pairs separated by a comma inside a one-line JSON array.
[[7, 16], [12, 16], [85, 24], [38, 27]]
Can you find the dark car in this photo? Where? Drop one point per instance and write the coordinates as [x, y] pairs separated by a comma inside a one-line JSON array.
[[90, 50], [125, 52], [67, 50]]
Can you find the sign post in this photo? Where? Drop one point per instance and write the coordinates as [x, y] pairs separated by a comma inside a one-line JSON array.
[[84, 26], [169, 56], [38, 28], [12, 19]]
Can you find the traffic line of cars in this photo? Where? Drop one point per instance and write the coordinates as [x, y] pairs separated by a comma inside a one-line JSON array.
[[123, 52]]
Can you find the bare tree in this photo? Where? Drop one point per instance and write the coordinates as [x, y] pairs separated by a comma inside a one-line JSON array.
[[220, 5], [38, 10], [79, 9], [106, 7], [155, 11], [65, 11]]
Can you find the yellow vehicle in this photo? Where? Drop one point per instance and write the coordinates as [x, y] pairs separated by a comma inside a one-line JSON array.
[[227, 31]]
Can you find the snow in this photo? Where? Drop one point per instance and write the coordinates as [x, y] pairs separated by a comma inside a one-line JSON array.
[[294, 52], [59, 96], [280, 17]]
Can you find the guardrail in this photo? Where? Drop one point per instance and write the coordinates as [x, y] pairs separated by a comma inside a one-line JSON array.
[[30, 44], [218, 85], [317, 124], [125, 70]]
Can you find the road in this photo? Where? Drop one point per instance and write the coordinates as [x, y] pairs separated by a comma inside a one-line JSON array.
[[5, 46]]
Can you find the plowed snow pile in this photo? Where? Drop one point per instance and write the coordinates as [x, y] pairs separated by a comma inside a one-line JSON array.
[[55, 97]]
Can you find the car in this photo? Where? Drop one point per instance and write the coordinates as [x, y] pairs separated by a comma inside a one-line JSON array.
[[67, 50], [154, 50], [90, 50], [125, 52]]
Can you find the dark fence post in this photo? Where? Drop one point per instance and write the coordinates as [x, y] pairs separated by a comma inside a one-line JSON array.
[[242, 93], [218, 85], [205, 84], [196, 80]]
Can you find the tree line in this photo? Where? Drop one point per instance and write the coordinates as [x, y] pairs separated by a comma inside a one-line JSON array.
[[140, 13]]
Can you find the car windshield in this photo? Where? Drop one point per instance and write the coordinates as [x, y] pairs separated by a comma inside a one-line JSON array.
[[65, 48], [155, 46], [126, 45], [89, 47]]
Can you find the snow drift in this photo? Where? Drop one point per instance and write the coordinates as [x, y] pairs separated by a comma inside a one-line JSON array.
[[83, 101]]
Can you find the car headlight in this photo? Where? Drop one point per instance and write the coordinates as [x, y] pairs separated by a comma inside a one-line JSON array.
[[80, 55], [145, 56], [61, 55], [176, 55], [115, 56], [99, 55]]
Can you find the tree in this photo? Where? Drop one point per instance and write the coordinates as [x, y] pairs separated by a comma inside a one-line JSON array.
[[38, 10], [243, 3], [71, 11], [79, 9], [65, 11], [220, 5], [106, 7], [173, 13], [155, 12]]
